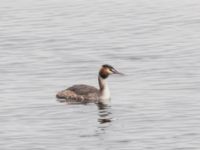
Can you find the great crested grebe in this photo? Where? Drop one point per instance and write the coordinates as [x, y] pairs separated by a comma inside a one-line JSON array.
[[88, 94]]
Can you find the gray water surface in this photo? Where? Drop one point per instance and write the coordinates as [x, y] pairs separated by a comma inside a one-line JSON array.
[[48, 45]]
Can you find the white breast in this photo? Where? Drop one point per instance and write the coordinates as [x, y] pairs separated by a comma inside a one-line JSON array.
[[105, 96], [104, 91]]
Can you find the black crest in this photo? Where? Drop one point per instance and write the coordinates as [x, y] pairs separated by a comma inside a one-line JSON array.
[[108, 66]]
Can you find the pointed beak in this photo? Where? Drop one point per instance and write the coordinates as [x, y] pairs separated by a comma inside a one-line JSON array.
[[117, 72]]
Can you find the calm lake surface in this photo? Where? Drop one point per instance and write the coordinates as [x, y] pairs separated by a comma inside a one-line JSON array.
[[49, 45]]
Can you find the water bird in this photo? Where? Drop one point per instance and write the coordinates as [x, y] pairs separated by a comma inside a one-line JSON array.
[[82, 93]]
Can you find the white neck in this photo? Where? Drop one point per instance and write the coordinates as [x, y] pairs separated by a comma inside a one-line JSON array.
[[104, 91]]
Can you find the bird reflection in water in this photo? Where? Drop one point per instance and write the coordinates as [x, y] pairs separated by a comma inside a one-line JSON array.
[[104, 114]]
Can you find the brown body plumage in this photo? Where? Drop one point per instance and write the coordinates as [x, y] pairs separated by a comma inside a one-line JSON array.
[[88, 94], [80, 93]]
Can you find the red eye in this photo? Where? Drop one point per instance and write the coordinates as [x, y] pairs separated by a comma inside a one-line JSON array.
[[112, 70]]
